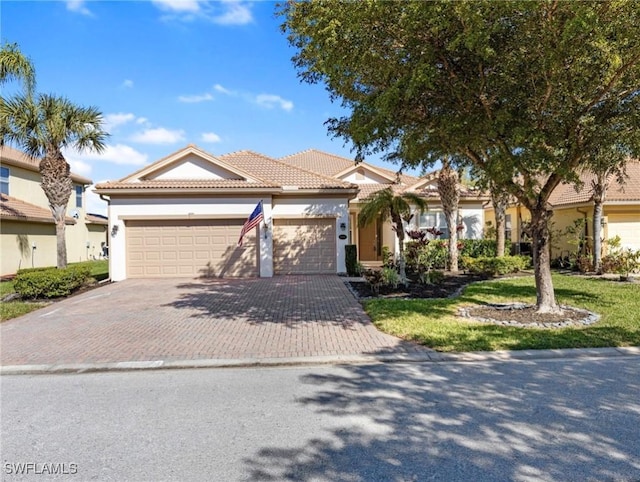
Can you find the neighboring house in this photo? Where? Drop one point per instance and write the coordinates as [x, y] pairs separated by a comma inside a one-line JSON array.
[[27, 229], [621, 212], [371, 239], [182, 216]]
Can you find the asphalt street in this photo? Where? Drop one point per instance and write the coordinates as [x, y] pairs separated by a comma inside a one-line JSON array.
[[545, 420]]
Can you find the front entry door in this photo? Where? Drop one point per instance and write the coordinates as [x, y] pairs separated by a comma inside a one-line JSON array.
[[368, 243]]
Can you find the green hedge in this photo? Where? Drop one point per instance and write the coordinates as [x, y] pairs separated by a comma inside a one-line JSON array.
[[476, 248], [50, 282], [351, 259], [496, 266]]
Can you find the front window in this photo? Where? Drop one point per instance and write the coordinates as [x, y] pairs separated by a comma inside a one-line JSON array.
[[79, 191], [435, 224], [507, 227], [4, 180]]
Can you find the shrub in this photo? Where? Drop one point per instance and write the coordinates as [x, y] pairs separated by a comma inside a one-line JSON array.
[[493, 266], [374, 279], [475, 248], [50, 282], [390, 277], [427, 255], [387, 257], [623, 262], [431, 277], [351, 259]]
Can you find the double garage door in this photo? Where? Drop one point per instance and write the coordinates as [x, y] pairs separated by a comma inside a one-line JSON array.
[[190, 248], [304, 246], [208, 248]]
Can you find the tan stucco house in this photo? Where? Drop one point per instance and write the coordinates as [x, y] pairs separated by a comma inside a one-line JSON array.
[[621, 212], [27, 229], [182, 215]]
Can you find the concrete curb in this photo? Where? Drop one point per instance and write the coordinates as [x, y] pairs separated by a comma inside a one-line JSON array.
[[416, 357]]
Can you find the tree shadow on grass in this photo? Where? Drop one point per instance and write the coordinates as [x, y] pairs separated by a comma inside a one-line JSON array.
[[506, 421]]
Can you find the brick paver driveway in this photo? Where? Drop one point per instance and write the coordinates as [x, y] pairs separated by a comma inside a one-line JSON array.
[[178, 319]]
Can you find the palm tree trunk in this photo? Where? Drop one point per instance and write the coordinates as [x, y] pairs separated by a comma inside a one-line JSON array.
[[397, 219], [449, 190], [541, 243], [57, 186]]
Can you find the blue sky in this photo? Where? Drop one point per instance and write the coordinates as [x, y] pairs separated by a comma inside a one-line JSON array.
[[167, 73]]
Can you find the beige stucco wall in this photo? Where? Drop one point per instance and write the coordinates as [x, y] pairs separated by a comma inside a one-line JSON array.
[[16, 243], [25, 185], [622, 220]]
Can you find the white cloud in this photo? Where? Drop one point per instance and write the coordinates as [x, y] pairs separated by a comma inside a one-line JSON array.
[[234, 13], [127, 84], [115, 154], [210, 137], [223, 12], [111, 121], [78, 166], [177, 5], [159, 135], [222, 90], [95, 205], [142, 120], [270, 101], [193, 99], [78, 6]]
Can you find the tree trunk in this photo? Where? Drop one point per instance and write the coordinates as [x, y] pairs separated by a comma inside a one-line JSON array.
[[500, 202], [61, 245], [541, 242], [452, 225], [597, 233], [449, 190], [57, 186], [599, 194], [397, 219]]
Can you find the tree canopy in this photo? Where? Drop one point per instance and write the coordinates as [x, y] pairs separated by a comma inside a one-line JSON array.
[[521, 90]]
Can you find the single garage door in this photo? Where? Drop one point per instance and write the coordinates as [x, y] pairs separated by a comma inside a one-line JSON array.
[[625, 226], [304, 246], [190, 248]]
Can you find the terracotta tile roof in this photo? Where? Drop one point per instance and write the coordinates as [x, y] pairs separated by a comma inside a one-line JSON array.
[[566, 194], [281, 173], [318, 161], [330, 165], [16, 210], [185, 184], [96, 219], [431, 191], [14, 157]]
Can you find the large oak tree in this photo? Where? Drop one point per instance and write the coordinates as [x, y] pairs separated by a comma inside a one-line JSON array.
[[522, 90]]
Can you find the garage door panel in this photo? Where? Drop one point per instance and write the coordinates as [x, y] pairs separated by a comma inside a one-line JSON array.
[[197, 248], [304, 246]]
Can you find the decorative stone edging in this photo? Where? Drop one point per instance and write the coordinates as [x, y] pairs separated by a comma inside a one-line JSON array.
[[588, 319]]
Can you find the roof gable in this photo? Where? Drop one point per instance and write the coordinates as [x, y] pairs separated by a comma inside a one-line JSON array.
[[190, 163], [365, 174]]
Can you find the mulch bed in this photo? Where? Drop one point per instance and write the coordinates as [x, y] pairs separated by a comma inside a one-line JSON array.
[[450, 286]]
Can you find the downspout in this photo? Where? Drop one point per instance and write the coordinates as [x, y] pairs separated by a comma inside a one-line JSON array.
[[586, 231]]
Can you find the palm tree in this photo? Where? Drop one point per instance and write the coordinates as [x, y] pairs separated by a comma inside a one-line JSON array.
[[14, 65], [449, 190], [42, 127], [386, 204]]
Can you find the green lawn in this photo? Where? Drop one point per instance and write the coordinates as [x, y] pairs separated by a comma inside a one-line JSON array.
[[13, 309], [433, 322]]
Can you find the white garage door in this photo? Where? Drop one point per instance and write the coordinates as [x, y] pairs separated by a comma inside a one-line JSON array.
[[190, 248], [627, 226], [304, 246]]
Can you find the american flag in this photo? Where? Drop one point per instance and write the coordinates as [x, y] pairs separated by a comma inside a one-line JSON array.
[[252, 221]]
